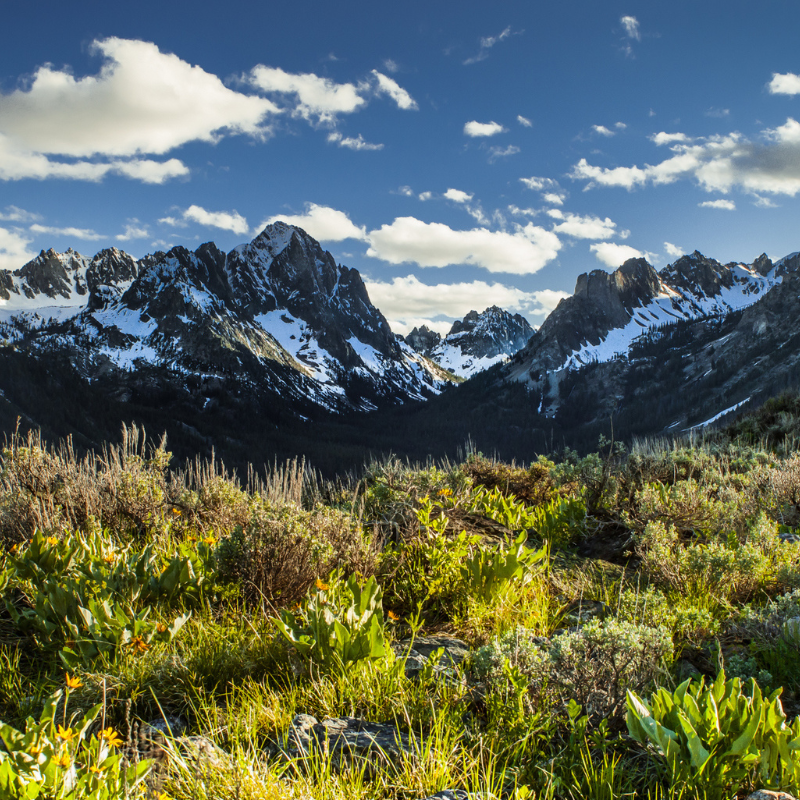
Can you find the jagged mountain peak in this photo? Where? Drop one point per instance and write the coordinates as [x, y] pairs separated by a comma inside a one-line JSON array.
[[475, 342]]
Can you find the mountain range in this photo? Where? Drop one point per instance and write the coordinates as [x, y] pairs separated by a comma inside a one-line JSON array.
[[274, 346]]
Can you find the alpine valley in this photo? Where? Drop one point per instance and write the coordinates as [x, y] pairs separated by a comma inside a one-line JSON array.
[[274, 349]]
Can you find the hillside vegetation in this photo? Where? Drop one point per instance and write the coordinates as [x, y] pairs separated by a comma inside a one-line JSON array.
[[622, 624]]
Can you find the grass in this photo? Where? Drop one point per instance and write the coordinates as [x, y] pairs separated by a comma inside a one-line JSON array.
[[669, 542]]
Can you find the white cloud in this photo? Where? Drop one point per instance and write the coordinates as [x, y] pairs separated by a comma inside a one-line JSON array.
[[357, 143], [765, 202], [390, 65], [718, 112], [487, 43], [718, 163], [141, 101], [133, 230], [425, 196], [317, 98], [406, 191], [502, 152], [16, 214], [457, 196], [476, 129], [620, 126], [523, 212], [613, 255], [17, 163], [786, 83], [602, 130], [727, 205], [322, 222], [225, 220], [14, 251], [409, 240], [175, 222], [388, 86], [72, 233], [408, 302], [673, 250], [631, 25], [553, 198], [538, 184], [583, 227], [524, 121], [668, 138]]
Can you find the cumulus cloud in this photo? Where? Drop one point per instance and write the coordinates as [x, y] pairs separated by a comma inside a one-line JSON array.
[[620, 126], [142, 101], [523, 212], [613, 255], [786, 83], [409, 240], [718, 163], [425, 196], [726, 205], [457, 196], [487, 43], [538, 184], [16, 214], [317, 98], [668, 138], [225, 220], [352, 143], [17, 163], [72, 233], [406, 191], [390, 65], [407, 302], [553, 198], [322, 222], [673, 250], [631, 26], [602, 130], [502, 152], [579, 227], [14, 252], [133, 230], [476, 129], [387, 85], [524, 121]]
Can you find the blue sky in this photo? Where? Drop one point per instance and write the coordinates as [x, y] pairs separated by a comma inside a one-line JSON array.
[[459, 154]]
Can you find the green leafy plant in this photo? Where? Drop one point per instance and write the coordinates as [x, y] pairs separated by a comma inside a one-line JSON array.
[[488, 571], [716, 738], [88, 598], [62, 762], [339, 622]]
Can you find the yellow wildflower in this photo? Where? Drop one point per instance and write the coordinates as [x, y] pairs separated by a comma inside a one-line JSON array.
[[35, 750], [161, 627], [177, 512], [112, 737], [109, 559], [52, 540], [67, 734], [392, 616], [140, 644], [62, 761], [74, 683], [209, 540], [96, 770], [323, 587]]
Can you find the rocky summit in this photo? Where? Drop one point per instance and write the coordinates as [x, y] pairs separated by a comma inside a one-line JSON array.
[[277, 315], [474, 343]]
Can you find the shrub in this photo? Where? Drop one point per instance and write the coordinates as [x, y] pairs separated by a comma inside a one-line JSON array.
[[533, 485], [725, 568], [279, 554], [594, 665]]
